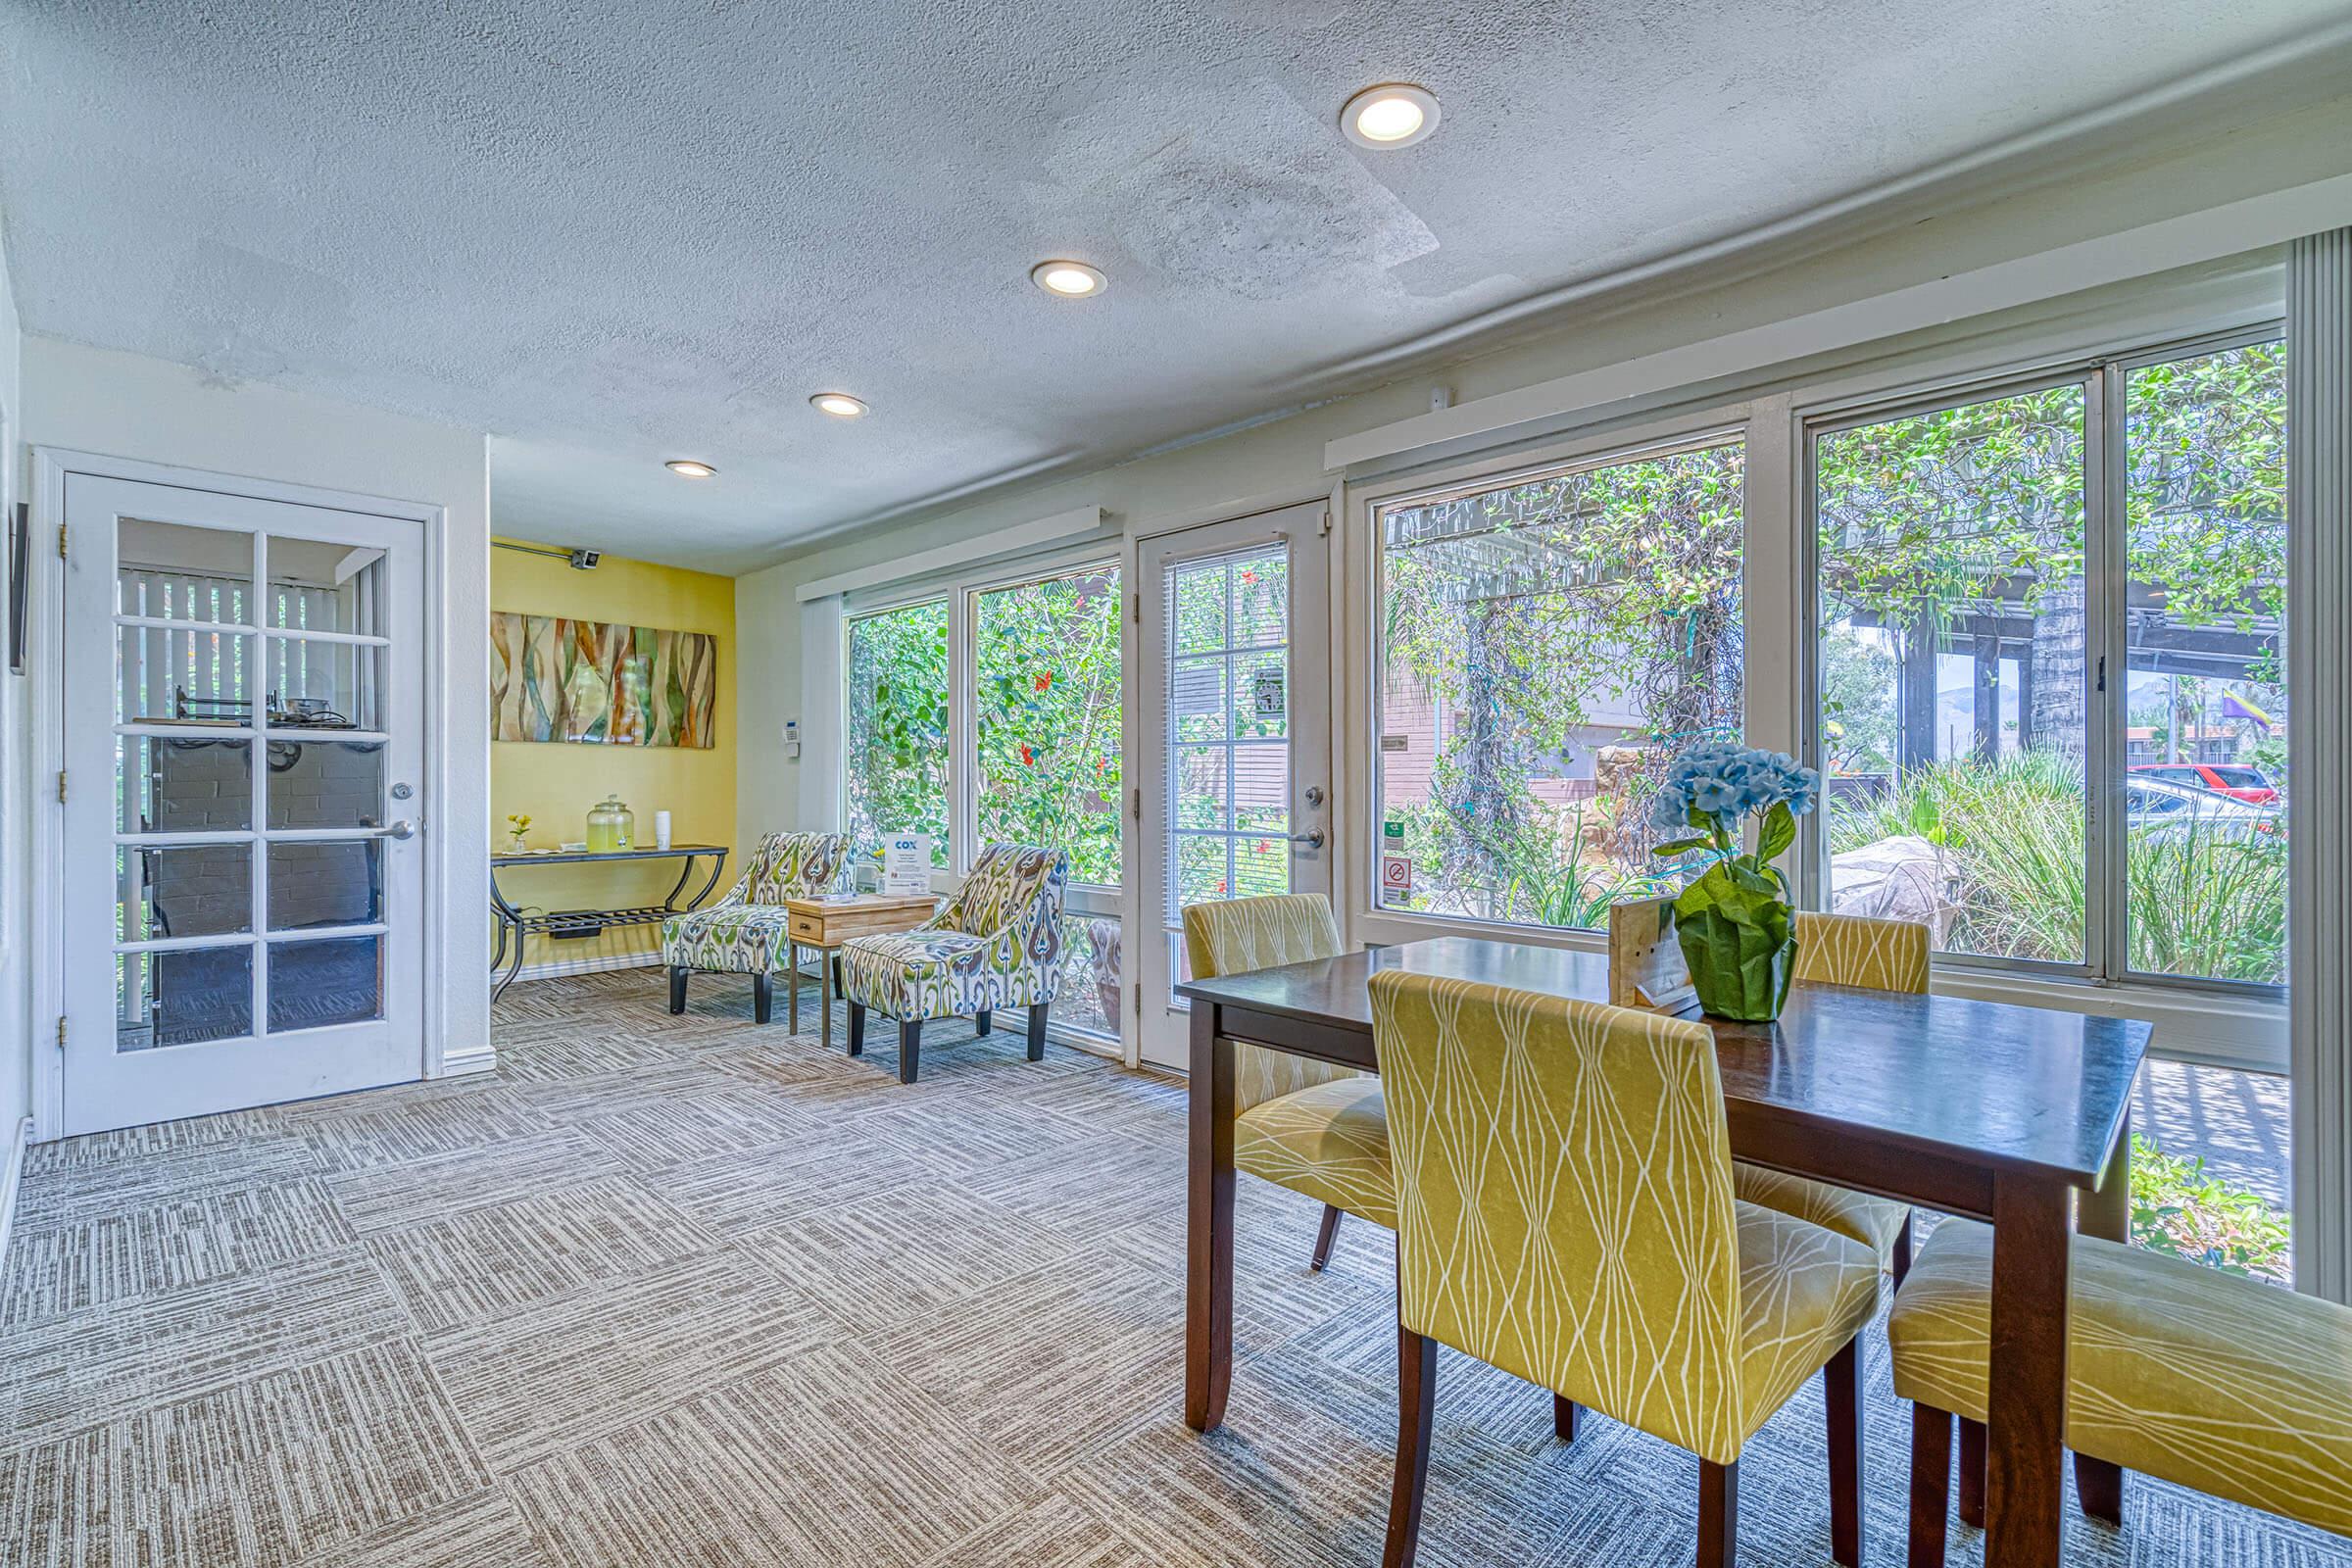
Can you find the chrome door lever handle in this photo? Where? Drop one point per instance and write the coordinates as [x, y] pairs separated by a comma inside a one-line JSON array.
[[402, 830], [1313, 840]]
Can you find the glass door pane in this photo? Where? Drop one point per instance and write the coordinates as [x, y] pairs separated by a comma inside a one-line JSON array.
[[184, 678], [1228, 740]]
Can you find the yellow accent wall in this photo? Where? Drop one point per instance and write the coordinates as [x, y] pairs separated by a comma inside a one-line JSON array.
[[557, 783]]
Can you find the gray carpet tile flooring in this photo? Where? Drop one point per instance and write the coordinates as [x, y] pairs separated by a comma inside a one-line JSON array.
[[666, 1292]]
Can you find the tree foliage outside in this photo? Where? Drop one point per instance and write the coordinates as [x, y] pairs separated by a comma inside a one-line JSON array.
[[1045, 674], [1045, 710], [896, 738], [1540, 616]]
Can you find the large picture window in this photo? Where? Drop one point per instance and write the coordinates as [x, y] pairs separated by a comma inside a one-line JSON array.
[[895, 744], [1047, 716], [2043, 774], [1547, 646]]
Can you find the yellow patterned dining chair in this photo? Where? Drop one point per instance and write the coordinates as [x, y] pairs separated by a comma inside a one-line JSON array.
[[1849, 949], [2221, 1384], [1307, 1125], [1564, 1177]]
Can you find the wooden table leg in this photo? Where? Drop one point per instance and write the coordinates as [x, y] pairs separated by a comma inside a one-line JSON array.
[[792, 987], [2106, 1215], [2024, 1470], [1208, 1226]]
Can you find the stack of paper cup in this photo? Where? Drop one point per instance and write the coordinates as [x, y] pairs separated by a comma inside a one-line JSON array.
[[660, 830]]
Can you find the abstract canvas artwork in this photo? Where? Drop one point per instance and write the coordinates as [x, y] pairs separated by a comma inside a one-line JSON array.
[[599, 683]]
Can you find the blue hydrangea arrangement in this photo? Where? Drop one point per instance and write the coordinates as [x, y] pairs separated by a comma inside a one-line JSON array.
[[1734, 921]]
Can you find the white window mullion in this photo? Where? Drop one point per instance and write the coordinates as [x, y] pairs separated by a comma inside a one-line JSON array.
[[2319, 673], [2106, 673], [963, 732]]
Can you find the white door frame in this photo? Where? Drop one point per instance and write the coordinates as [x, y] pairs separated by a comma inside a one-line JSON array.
[[1147, 971], [46, 653]]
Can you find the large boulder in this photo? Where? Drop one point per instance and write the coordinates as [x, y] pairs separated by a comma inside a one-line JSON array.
[[1902, 878]]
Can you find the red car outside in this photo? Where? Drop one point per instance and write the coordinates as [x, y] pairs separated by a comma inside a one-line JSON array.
[[2239, 782]]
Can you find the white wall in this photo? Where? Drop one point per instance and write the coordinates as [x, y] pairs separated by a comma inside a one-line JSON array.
[[1282, 461], [129, 406]]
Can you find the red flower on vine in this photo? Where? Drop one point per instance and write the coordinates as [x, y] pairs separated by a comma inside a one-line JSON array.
[[1027, 758], [1248, 577], [1044, 682], [1220, 887]]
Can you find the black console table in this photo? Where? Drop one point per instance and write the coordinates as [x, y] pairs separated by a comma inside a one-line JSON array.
[[513, 925]]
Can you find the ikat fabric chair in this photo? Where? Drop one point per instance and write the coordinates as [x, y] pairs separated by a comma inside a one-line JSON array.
[[2211, 1381], [1311, 1126], [747, 931], [1563, 1182], [1849, 949], [998, 943]]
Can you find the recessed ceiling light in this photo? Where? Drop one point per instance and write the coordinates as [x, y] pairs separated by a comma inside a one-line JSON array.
[[1072, 280], [1394, 115], [690, 469], [840, 404]]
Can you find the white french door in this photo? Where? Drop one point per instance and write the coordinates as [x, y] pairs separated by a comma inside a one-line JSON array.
[[244, 755], [1236, 730]]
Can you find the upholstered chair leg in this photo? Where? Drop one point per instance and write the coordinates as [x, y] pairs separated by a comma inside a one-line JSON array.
[[677, 988], [1324, 1237], [1563, 1417], [1718, 1514], [856, 1028], [910, 1048], [1842, 1388], [763, 997], [1931, 1484], [1972, 1473], [982, 1021], [1903, 1254], [1037, 1033], [1416, 1412]]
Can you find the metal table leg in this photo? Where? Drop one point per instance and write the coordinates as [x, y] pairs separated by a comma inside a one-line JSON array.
[[792, 986], [824, 999]]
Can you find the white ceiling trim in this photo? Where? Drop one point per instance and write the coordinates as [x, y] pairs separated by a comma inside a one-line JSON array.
[[2187, 241], [1017, 540]]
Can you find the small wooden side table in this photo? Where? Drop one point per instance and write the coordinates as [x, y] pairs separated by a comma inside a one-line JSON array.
[[825, 924]]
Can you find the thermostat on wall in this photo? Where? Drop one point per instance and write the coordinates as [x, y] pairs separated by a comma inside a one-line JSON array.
[[791, 738]]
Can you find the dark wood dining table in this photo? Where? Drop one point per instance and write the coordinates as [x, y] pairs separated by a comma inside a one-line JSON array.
[[2012, 1114]]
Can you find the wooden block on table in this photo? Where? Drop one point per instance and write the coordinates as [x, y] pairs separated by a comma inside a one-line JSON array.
[[1645, 961]]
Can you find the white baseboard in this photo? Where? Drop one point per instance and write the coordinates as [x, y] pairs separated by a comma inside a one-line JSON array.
[[600, 964], [11, 1178], [482, 1059]]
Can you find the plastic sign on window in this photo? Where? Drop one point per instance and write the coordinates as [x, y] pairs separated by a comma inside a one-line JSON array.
[[1396, 878], [1266, 694], [906, 863]]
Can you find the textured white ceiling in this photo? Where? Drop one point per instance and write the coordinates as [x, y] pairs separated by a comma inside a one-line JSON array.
[[611, 234]]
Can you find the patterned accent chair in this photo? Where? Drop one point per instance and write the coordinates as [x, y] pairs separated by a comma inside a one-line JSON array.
[[1565, 1213], [2211, 1381], [995, 944], [1312, 1127], [1849, 949], [746, 932]]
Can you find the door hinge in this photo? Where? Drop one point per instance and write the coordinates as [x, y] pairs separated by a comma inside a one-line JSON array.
[[1139, 1005], [61, 541], [2102, 686], [61, 1031], [1135, 802], [1323, 530], [61, 786], [1135, 607]]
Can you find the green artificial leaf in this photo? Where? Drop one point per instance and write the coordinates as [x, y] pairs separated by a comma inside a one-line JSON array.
[[1780, 831], [1681, 847]]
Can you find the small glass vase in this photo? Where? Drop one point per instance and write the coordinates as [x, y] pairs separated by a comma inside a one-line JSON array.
[[1741, 958]]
